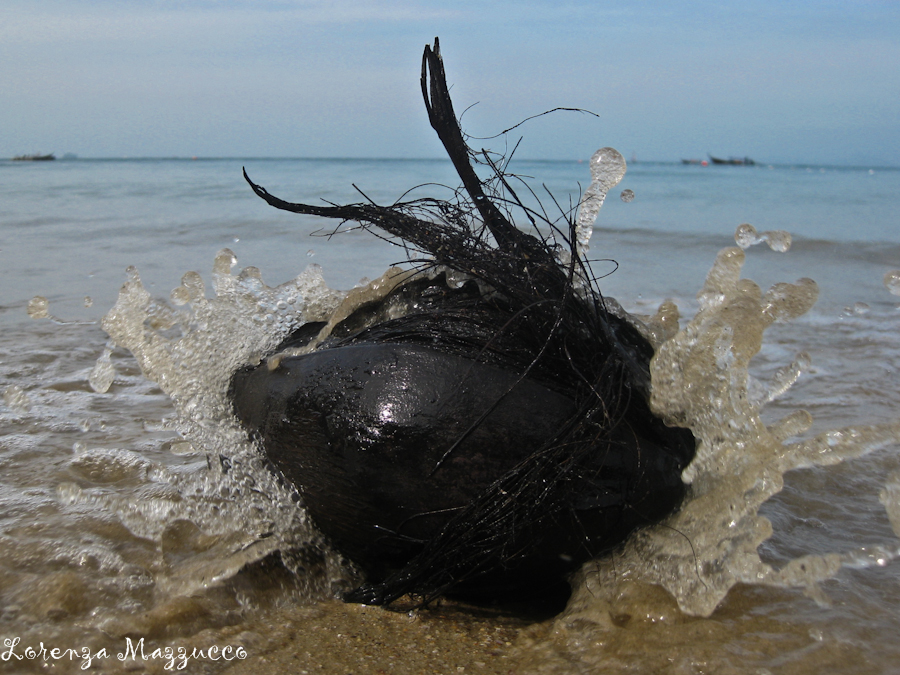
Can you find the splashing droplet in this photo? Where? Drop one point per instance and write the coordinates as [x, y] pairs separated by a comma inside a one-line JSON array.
[[192, 288], [784, 302], [778, 240], [627, 196], [747, 236], [607, 169], [892, 281], [856, 309], [663, 325], [225, 260], [38, 307], [180, 296], [103, 373]]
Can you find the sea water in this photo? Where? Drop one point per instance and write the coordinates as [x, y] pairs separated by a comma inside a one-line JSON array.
[[133, 507]]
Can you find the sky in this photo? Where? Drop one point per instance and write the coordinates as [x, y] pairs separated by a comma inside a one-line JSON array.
[[782, 82]]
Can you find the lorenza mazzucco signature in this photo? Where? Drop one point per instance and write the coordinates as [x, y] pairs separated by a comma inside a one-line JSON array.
[[176, 658]]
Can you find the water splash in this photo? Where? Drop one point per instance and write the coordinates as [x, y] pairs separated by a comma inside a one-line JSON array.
[[857, 309], [747, 236], [103, 373], [892, 282], [607, 169], [38, 307], [701, 380], [190, 348]]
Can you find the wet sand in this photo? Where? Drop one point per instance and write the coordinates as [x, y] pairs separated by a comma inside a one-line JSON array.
[[332, 637], [641, 631]]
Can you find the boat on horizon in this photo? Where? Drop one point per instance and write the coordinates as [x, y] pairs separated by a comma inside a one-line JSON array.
[[733, 161], [34, 158]]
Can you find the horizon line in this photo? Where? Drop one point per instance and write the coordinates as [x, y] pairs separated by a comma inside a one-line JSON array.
[[74, 157]]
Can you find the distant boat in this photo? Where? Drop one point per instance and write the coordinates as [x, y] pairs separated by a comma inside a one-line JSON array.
[[34, 158], [733, 161], [694, 161]]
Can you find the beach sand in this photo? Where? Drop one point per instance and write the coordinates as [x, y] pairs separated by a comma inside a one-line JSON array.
[[333, 637]]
